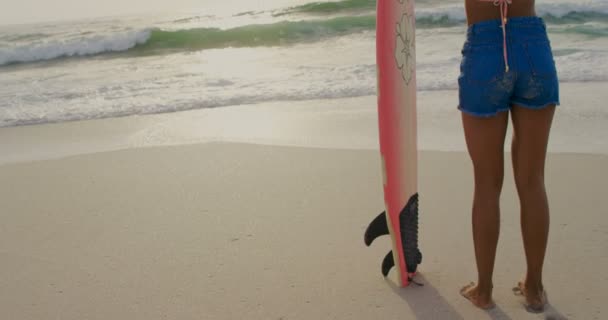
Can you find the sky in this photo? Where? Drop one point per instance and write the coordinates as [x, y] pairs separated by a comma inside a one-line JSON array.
[[30, 11]]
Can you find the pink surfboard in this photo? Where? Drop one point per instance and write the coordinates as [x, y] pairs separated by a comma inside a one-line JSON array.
[[396, 62]]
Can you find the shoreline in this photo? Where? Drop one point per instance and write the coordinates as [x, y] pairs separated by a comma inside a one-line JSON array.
[[348, 123]]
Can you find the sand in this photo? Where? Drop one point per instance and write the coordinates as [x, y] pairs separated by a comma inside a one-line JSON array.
[[258, 212], [245, 231]]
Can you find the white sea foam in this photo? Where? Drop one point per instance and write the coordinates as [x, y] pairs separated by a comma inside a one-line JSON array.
[[334, 68], [83, 46]]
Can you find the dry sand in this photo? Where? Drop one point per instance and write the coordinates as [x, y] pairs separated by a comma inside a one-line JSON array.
[[240, 231]]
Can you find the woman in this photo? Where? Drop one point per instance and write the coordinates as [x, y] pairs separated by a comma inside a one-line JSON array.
[[507, 68]]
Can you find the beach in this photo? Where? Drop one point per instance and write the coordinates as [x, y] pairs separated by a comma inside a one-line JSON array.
[[270, 227], [228, 231], [221, 162]]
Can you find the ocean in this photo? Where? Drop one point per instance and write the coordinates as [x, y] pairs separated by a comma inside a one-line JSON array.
[[284, 51]]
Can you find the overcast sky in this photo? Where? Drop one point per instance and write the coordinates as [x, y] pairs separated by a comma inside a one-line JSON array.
[[24, 11], [27, 11]]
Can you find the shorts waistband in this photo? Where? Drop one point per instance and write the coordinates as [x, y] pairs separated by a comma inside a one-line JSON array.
[[519, 29], [515, 22]]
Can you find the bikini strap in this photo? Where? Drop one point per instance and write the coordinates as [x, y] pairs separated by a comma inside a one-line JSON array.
[[504, 10]]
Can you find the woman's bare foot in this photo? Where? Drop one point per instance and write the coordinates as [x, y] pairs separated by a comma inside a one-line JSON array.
[[535, 300], [473, 294]]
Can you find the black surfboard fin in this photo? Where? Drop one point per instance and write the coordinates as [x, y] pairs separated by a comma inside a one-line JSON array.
[[376, 228], [408, 223], [388, 263], [408, 228]]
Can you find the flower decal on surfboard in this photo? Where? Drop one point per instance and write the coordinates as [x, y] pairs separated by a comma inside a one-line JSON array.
[[404, 47]]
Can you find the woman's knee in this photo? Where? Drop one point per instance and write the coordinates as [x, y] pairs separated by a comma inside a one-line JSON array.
[[530, 181], [489, 184]]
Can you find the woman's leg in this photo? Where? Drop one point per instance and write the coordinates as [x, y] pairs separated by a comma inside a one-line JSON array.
[[530, 138], [485, 142]]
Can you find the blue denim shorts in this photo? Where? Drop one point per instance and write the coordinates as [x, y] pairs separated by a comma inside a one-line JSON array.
[[487, 88]]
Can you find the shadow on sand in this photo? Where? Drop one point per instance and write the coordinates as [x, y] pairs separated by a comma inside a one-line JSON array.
[[427, 303]]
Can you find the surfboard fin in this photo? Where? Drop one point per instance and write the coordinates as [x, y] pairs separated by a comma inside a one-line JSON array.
[[408, 222], [408, 225], [388, 263], [376, 229]]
